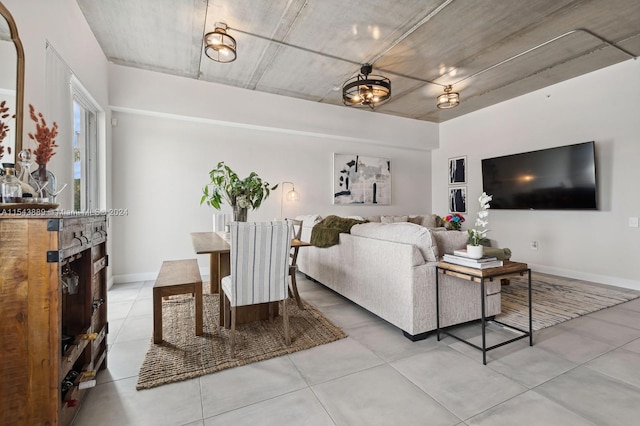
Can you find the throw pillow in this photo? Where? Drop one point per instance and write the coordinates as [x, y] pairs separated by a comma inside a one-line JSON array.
[[393, 219], [448, 241], [415, 219], [431, 221]]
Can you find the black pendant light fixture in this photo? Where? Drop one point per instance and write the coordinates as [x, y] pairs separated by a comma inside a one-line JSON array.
[[220, 46], [366, 90]]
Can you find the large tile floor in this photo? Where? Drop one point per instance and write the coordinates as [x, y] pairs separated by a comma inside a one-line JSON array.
[[583, 372]]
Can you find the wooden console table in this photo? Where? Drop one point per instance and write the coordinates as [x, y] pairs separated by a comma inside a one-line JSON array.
[[53, 313], [473, 275]]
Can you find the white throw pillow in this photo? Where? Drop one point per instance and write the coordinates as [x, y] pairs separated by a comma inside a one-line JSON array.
[[394, 219], [431, 220], [401, 232]]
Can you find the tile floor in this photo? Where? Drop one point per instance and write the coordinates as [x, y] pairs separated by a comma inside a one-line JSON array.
[[583, 372]]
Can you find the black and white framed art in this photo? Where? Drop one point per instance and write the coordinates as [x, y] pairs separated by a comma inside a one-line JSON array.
[[458, 199], [457, 170]]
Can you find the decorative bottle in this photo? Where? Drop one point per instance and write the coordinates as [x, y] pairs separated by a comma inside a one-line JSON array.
[[26, 180], [10, 187]]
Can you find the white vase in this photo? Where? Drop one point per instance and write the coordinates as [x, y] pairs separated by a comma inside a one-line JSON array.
[[474, 252]]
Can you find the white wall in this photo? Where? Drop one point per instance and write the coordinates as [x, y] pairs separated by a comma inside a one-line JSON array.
[[603, 106], [62, 24], [171, 131]]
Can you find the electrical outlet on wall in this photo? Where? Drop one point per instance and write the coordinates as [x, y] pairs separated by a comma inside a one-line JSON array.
[[534, 245], [633, 222]]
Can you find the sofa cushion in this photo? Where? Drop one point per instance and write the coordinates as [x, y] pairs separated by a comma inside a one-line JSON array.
[[448, 241], [401, 232], [394, 219]]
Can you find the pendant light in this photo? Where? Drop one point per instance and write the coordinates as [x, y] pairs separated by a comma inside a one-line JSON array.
[[219, 45], [366, 90], [448, 99]]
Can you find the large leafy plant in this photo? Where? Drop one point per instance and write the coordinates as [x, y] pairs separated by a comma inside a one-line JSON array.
[[226, 186]]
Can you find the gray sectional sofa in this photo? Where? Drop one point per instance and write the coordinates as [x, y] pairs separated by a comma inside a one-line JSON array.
[[389, 269]]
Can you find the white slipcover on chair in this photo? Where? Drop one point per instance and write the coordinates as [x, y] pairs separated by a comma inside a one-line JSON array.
[[259, 268]]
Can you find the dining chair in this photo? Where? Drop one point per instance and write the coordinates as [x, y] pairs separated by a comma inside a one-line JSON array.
[[259, 269], [296, 228]]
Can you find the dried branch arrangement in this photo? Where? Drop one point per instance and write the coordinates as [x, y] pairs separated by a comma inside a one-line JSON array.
[[44, 136]]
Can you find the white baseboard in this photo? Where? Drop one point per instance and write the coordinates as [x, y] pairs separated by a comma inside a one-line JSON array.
[[600, 279], [149, 276]]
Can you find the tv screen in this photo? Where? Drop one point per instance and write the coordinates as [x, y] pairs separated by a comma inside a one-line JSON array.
[[561, 178]]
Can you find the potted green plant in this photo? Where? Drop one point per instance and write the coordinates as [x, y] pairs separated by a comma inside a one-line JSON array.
[[240, 194]]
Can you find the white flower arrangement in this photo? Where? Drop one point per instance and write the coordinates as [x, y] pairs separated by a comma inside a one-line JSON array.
[[243, 202], [477, 234]]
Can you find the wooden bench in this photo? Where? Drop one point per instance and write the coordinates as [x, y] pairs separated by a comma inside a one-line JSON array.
[[176, 277]]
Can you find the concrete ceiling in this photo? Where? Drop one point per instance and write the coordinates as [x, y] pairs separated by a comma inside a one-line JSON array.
[[409, 41]]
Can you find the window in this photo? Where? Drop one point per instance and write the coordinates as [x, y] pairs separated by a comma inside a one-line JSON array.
[[85, 152]]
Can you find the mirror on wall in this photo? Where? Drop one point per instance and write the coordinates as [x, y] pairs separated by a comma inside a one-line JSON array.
[[11, 87]]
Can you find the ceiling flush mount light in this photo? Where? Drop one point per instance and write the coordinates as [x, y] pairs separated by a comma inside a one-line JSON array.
[[220, 46], [448, 99], [365, 90]]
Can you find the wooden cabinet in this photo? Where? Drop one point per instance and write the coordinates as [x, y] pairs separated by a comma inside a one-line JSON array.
[[52, 335]]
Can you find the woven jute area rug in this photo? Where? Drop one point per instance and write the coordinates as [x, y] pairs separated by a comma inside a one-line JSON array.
[[555, 300], [183, 355]]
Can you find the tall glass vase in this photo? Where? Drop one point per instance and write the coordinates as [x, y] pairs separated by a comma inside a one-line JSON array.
[[45, 181], [239, 214]]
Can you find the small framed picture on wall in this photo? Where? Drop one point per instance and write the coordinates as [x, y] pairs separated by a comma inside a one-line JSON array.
[[457, 170], [458, 199]]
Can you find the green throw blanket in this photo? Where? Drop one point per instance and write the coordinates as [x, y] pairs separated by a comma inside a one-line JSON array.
[[501, 254], [326, 233]]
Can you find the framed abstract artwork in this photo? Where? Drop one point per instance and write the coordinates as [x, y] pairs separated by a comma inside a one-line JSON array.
[[458, 199], [361, 180], [457, 170]]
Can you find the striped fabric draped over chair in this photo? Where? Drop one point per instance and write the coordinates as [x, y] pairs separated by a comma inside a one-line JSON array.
[[259, 262], [259, 267]]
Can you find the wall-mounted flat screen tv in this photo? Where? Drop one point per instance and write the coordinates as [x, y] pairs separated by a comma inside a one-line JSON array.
[[561, 178]]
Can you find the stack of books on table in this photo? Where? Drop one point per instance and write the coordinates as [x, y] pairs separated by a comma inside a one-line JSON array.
[[460, 257]]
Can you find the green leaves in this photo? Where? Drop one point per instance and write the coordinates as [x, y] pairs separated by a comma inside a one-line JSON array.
[[226, 186]]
